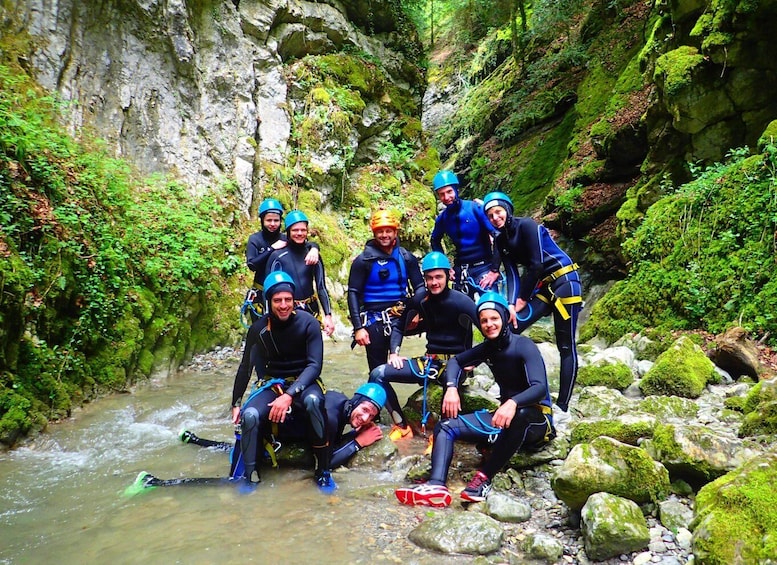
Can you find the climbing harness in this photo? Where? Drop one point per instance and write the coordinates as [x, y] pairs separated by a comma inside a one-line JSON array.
[[485, 428], [248, 306], [384, 316]]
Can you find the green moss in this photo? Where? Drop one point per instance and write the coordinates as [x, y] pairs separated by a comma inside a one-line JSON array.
[[760, 422], [665, 407], [736, 515], [674, 70], [611, 375], [629, 433], [683, 370], [768, 137]]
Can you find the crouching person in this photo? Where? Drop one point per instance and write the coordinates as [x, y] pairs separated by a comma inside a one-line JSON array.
[[522, 420]]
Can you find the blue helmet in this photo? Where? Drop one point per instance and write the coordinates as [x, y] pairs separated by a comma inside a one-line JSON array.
[[270, 205], [435, 260], [374, 393], [490, 300], [277, 281], [498, 199], [445, 178], [294, 217]]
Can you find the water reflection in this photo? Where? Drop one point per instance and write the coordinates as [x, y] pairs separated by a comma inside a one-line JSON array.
[[60, 498]]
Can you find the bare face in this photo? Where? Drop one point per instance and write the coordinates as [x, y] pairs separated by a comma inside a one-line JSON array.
[[435, 280], [497, 216], [447, 195], [299, 232], [282, 305], [385, 237], [363, 414], [490, 323], [271, 221]]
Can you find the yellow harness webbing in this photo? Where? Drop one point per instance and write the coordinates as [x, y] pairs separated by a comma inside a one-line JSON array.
[[560, 273]]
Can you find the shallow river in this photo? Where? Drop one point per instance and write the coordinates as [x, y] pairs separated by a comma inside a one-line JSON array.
[[61, 498]]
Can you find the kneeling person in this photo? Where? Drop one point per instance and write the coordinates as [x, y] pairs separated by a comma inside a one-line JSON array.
[[523, 418]]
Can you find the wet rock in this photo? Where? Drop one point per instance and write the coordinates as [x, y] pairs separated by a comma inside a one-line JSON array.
[[612, 525], [471, 533], [506, 508], [674, 514]]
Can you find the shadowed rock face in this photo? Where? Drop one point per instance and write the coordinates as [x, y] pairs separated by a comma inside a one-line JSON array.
[[198, 91]]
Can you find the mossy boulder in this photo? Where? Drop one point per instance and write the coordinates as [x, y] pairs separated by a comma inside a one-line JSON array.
[[602, 402], [612, 526], [736, 515], [760, 408], [668, 407], [629, 432], [607, 465], [682, 370], [611, 375]]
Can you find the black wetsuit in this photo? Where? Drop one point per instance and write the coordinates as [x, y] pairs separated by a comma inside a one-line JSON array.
[[372, 312], [519, 370], [292, 350], [524, 242], [291, 259], [447, 319]]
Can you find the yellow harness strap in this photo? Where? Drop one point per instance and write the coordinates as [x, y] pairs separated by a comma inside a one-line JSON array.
[[559, 302], [560, 273]]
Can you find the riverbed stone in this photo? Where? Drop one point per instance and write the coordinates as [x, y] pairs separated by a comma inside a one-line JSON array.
[[612, 526], [544, 547], [607, 465], [506, 508], [471, 533], [682, 370], [674, 514]]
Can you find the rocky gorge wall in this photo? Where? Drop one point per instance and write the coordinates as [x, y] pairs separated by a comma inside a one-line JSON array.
[[197, 88]]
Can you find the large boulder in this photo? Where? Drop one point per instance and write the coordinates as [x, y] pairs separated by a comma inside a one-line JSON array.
[[612, 526], [471, 533], [682, 370], [607, 465], [736, 515]]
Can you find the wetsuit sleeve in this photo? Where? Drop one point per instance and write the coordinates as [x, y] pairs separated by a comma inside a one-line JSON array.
[[513, 278], [256, 254], [486, 226], [529, 356], [437, 233], [530, 239], [398, 334], [344, 450], [314, 349], [323, 293], [357, 278], [453, 368], [243, 374]]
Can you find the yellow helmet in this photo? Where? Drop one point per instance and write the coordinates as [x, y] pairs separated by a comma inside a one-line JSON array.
[[384, 219]]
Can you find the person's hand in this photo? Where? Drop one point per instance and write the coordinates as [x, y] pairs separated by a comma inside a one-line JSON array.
[[368, 434], [519, 305], [413, 324], [504, 415], [280, 244], [236, 414], [396, 361], [312, 257], [451, 402], [513, 320], [361, 336], [280, 407], [488, 279], [329, 325]]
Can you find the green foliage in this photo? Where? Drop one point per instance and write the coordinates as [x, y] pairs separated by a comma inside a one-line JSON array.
[[703, 257], [91, 263]]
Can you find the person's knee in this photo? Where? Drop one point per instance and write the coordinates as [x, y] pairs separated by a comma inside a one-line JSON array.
[[312, 402], [250, 419], [377, 374]]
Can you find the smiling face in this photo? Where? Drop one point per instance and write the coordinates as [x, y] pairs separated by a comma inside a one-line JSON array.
[[497, 216], [282, 305], [298, 232], [271, 221], [447, 195], [436, 280], [385, 236], [363, 414], [490, 323]]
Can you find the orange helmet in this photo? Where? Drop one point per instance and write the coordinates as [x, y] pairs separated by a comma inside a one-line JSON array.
[[384, 219]]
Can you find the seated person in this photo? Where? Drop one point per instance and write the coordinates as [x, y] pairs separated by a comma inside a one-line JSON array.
[[523, 418]]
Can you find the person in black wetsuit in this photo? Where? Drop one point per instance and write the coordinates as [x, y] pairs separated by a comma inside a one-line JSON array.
[[550, 283], [447, 316], [381, 279], [288, 347], [259, 247], [293, 260], [523, 418], [476, 266], [358, 412]]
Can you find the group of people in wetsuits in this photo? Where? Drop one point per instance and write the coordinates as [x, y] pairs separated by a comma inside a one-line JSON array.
[[389, 296]]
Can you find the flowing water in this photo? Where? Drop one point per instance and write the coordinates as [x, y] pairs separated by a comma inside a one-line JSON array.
[[61, 498]]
